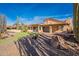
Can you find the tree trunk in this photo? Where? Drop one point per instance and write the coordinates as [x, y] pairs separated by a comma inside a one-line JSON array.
[[76, 21]]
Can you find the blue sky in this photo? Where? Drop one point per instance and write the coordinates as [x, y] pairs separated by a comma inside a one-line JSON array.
[[31, 13]]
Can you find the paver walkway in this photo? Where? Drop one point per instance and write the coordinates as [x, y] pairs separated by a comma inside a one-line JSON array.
[[9, 49]]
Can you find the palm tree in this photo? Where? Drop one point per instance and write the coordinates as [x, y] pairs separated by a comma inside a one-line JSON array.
[[76, 21], [2, 24]]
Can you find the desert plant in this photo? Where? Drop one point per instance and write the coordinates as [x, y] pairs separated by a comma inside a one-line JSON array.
[[24, 28]]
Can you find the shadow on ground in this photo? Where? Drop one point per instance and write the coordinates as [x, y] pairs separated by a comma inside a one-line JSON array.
[[42, 45]]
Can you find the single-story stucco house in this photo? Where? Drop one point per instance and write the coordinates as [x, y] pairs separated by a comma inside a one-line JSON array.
[[50, 25]]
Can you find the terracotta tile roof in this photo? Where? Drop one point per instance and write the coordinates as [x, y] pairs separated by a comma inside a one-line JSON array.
[[52, 19]]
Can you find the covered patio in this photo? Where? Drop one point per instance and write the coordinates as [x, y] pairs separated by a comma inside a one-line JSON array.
[[47, 28]]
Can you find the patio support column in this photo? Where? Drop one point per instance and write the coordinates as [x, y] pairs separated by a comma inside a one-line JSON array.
[[38, 28], [50, 29], [41, 29], [32, 28]]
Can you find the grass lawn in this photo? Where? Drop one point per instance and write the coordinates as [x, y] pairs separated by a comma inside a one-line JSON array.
[[16, 37]]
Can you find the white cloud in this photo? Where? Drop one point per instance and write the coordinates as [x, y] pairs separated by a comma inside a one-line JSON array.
[[40, 19], [37, 19], [9, 21]]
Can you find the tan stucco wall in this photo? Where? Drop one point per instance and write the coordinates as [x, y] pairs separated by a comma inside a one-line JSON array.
[[68, 27]]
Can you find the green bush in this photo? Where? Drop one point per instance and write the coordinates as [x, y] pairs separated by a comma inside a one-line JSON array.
[[24, 29]]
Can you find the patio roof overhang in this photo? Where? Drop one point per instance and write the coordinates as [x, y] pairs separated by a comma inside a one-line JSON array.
[[59, 24]]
